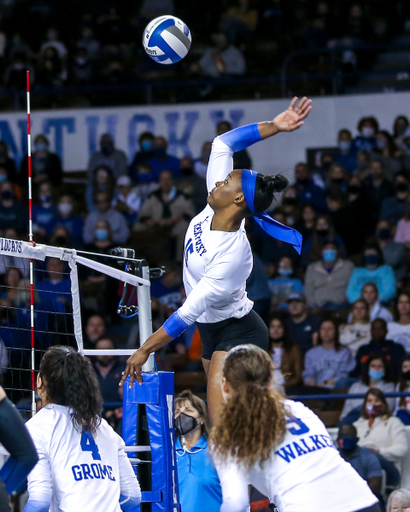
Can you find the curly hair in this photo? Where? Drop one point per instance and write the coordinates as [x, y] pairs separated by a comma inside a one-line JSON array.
[[252, 421], [69, 379]]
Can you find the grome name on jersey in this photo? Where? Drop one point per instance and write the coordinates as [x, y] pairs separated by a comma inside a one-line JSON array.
[[199, 246], [93, 471], [303, 446]]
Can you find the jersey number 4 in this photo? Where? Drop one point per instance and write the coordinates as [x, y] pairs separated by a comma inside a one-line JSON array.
[[89, 445]]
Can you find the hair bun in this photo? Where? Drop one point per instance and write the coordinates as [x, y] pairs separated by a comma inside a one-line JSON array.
[[277, 183]]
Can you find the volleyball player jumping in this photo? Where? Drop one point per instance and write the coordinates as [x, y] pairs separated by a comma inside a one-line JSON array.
[[218, 258]]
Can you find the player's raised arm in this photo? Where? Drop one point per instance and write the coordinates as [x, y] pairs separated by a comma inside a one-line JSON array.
[[223, 147]]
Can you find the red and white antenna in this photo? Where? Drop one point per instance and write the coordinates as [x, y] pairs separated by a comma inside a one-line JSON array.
[[30, 237]]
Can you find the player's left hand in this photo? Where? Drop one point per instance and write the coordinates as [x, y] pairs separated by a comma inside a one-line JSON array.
[[134, 366], [293, 117]]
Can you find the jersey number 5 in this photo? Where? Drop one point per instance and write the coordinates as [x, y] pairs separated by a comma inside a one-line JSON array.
[[89, 445], [299, 428]]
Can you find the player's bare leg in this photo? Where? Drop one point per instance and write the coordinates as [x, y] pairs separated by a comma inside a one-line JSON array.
[[214, 388]]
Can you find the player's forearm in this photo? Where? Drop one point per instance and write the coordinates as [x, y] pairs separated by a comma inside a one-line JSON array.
[[156, 341], [267, 129]]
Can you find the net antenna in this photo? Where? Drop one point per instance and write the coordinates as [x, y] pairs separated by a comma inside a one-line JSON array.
[[31, 240]]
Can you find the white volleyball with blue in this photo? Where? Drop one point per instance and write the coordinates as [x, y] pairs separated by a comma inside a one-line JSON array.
[[167, 39]]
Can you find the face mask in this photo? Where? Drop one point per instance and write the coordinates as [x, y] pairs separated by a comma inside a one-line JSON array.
[[7, 194], [187, 171], [376, 374], [373, 410], [81, 61], [347, 443], [344, 145], [367, 131], [146, 145], [45, 199], [353, 189], [185, 423], [406, 375], [402, 187], [326, 165], [107, 150], [160, 152], [371, 260], [144, 178], [401, 128], [3, 178], [41, 146], [60, 241], [101, 234], [329, 255], [322, 232], [65, 208], [289, 201], [51, 36], [381, 144], [3, 155], [285, 271], [338, 181], [383, 233]]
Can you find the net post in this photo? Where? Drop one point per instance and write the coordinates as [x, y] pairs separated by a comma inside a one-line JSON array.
[[144, 317], [30, 237]]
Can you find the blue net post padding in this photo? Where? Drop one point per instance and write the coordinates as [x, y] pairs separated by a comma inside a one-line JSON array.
[[157, 394]]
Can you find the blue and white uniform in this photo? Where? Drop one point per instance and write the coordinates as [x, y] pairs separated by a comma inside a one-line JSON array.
[[77, 471], [305, 472], [216, 263]]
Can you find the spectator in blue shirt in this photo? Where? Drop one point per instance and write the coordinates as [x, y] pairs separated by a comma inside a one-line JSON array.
[[199, 486], [69, 220], [306, 190], [363, 460], [44, 210], [347, 153], [161, 161], [368, 128], [284, 283], [55, 292], [373, 271]]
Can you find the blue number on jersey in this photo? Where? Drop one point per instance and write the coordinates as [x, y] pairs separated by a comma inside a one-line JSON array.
[[189, 249], [89, 445], [301, 428]]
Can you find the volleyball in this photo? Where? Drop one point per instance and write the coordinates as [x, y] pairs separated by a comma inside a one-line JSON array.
[[167, 39]]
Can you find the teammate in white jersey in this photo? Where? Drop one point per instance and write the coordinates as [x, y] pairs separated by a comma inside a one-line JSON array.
[[82, 464], [279, 446], [218, 258]]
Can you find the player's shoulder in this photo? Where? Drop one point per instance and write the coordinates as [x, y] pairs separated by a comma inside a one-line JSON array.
[[297, 409], [105, 430]]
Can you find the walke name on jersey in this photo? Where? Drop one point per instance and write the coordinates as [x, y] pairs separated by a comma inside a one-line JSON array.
[[92, 472], [10, 245], [303, 446]]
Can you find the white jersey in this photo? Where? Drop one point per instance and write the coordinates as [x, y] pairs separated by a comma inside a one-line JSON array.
[[305, 473], [216, 263], [78, 472]]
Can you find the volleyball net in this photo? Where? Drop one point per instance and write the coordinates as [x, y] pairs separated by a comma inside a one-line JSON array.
[[51, 315]]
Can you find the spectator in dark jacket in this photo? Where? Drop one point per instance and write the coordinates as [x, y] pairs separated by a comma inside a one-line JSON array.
[[393, 252], [46, 166], [378, 188], [13, 213], [306, 190], [393, 208], [346, 154], [300, 325]]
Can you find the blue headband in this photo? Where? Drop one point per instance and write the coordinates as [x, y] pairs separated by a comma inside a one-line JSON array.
[[271, 226]]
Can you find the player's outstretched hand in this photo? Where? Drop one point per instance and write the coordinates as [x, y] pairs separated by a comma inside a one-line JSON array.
[[293, 117], [134, 366]]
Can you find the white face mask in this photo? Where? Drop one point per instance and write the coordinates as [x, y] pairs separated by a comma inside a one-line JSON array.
[[367, 131], [65, 208]]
